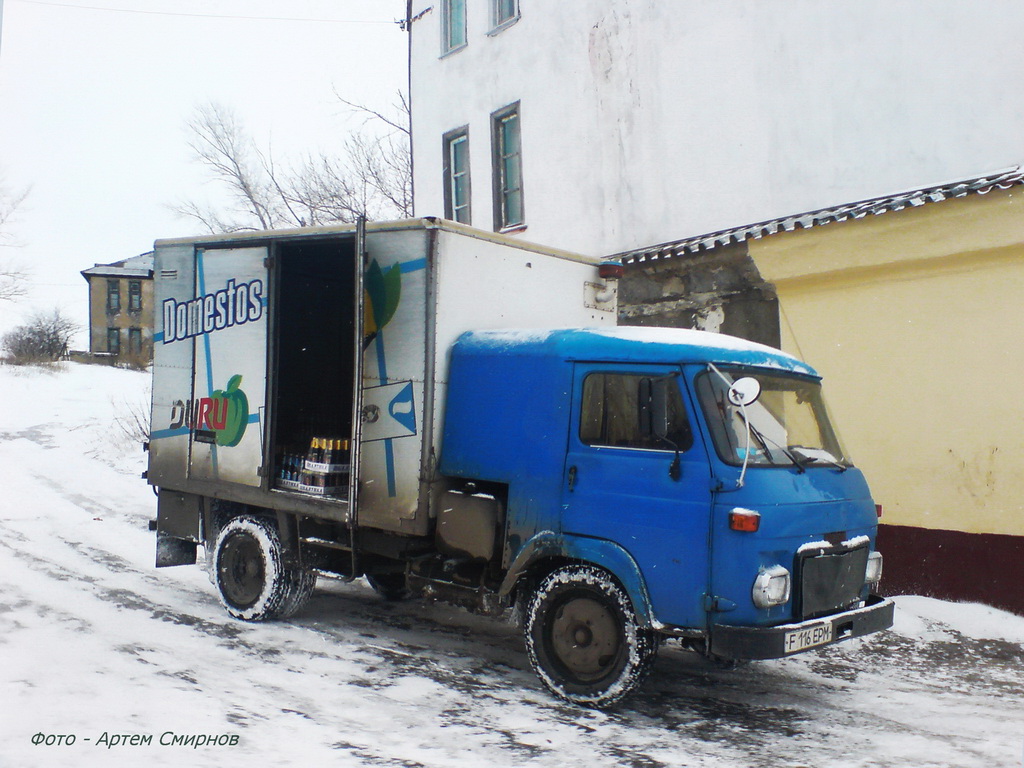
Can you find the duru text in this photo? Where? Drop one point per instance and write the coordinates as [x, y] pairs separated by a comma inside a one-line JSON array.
[[202, 413]]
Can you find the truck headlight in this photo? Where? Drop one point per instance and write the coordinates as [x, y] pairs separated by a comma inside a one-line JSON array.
[[771, 587], [874, 570]]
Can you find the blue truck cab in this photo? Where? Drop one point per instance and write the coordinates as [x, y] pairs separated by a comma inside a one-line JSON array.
[[662, 483]]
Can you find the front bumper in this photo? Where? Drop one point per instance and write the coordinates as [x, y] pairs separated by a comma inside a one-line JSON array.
[[770, 642]]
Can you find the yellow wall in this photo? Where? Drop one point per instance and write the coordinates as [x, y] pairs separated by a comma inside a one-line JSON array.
[[916, 320]]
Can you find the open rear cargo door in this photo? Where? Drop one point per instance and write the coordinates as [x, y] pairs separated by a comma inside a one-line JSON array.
[[229, 316]]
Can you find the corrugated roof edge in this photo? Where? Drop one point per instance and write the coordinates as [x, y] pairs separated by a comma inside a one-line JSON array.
[[976, 185]]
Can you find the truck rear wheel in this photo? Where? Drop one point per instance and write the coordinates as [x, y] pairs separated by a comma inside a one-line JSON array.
[[252, 579], [583, 638]]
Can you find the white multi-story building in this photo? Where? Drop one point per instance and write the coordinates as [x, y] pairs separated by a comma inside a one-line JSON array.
[[606, 125]]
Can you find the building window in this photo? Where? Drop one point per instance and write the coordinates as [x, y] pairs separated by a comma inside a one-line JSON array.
[[114, 341], [134, 295], [504, 12], [113, 295], [456, 176], [453, 25], [508, 168], [135, 341]]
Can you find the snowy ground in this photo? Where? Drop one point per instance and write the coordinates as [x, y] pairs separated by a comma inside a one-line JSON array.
[[96, 643]]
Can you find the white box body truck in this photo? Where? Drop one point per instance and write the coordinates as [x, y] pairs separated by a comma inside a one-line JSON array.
[[452, 413]]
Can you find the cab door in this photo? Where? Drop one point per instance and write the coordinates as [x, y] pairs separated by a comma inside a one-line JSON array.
[[621, 483]]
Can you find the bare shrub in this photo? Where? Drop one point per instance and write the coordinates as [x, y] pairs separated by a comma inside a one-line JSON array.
[[131, 419], [134, 361], [44, 338]]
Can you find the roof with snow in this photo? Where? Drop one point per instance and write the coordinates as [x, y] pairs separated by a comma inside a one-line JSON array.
[[978, 185], [136, 266], [629, 344]]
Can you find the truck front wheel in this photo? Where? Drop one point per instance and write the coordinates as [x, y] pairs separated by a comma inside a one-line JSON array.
[[583, 638], [252, 579]]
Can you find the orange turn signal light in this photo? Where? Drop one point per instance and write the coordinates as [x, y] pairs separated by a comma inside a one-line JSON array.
[[745, 520]]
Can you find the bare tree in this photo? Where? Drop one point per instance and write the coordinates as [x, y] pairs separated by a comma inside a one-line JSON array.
[[221, 145], [12, 281], [374, 180], [12, 278], [382, 160]]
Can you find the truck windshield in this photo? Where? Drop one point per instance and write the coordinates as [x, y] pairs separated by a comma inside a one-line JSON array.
[[789, 424]]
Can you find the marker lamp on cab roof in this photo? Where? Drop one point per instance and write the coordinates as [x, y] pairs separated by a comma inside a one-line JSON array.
[[771, 587]]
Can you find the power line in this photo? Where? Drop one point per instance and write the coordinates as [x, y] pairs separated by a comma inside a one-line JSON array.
[[200, 15]]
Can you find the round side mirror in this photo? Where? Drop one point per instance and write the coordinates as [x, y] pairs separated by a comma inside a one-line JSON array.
[[744, 391]]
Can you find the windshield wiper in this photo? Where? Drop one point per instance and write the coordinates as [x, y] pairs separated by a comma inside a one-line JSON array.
[[764, 441], [818, 457]]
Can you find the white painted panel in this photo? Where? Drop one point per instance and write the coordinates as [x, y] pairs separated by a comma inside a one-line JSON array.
[[483, 284]]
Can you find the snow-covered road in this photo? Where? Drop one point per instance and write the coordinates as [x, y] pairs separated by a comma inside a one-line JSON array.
[[97, 644]]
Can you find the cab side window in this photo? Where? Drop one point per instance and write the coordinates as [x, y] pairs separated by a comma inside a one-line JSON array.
[[610, 414]]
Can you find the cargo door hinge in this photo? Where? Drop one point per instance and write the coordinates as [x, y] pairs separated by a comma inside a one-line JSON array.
[[268, 262]]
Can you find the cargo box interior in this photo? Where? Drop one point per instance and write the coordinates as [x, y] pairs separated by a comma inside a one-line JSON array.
[[315, 349]]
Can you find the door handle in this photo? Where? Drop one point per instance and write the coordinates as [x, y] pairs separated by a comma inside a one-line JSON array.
[[572, 477]]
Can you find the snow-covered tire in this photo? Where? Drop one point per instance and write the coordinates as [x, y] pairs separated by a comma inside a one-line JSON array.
[[252, 580], [583, 639]]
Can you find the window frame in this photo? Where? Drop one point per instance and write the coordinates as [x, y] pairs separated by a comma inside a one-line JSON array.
[[113, 292], [684, 429], [134, 341], [114, 335], [502, 193], [449, 27], [134, 295], [763, 459], [451, 210], [499, 23]]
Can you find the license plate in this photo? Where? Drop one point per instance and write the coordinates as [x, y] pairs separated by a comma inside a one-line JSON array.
[[808, 637]]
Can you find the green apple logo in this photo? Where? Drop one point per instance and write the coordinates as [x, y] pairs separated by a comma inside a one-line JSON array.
[[383, 293], [237, 417]]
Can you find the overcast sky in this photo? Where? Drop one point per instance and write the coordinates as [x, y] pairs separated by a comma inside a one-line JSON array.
[[94, 96]]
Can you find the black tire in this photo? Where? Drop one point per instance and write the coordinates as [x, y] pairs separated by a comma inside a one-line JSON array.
[[583, 638], [391, 586], [252, 580]]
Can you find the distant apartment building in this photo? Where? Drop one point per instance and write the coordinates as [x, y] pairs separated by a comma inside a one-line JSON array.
[[121, 308]]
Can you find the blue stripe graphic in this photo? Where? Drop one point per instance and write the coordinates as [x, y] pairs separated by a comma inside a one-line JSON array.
[[412, 266], [208, 352], [389, 449]]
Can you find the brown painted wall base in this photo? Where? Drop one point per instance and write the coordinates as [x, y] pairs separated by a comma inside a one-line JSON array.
[[952, 565]]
